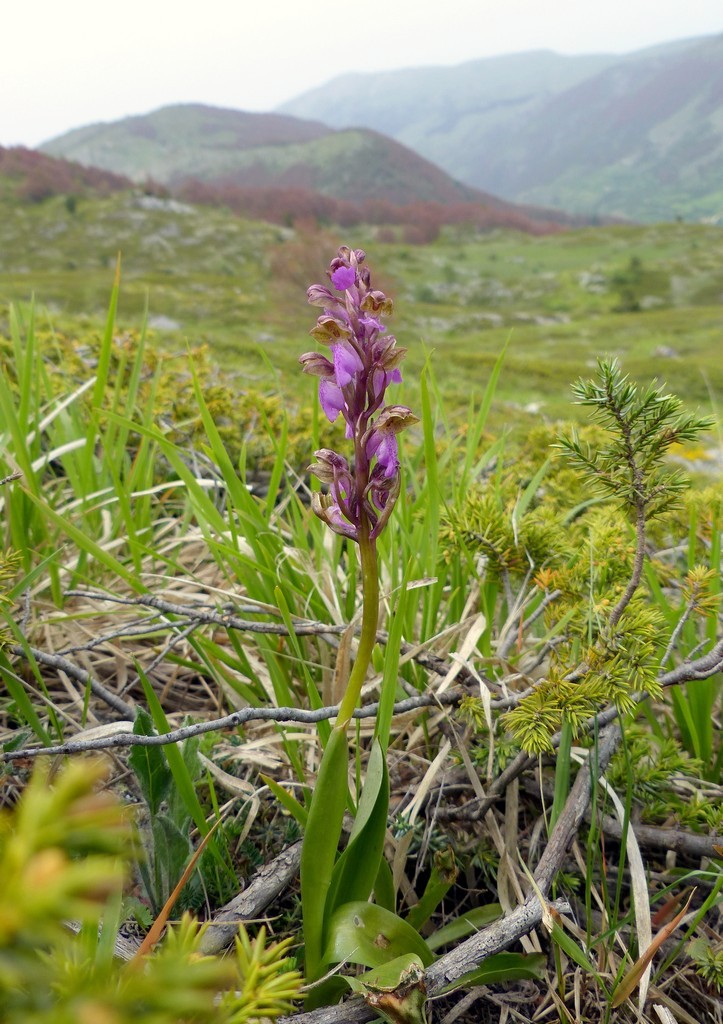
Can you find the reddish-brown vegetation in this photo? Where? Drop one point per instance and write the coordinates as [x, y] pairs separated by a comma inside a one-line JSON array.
[[35, 176], [421, 221], [32, 176]]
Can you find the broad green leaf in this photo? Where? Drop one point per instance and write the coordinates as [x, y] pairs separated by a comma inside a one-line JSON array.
[[356, 870], [321, 840], [363, 933], [387, 977]]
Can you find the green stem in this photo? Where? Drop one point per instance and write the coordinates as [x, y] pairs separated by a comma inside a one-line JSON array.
[[370, 617]]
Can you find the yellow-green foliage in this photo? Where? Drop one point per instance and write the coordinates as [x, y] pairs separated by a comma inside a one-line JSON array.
[[246, 417], [708, 959], [588, 558], [654, 766], [64, 855], [486, 525], [617, 662]]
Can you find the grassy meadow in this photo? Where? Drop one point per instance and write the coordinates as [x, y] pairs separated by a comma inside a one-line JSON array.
[[651, 296], [525, 609]]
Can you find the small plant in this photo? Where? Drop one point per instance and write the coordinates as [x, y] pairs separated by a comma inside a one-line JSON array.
[[64, 857], [614, 641], [708, 960], [364, 362]]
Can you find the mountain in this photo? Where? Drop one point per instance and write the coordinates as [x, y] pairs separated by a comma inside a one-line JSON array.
[[430, 109], [232, 147], [639, 136]]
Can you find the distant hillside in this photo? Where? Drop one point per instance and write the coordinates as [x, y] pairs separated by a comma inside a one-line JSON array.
[[28, 175], [433, 108], [639, 136], [232, 147], [281, 168]]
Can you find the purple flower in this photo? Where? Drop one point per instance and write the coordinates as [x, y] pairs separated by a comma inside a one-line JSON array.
[[331, 398], [371, 321], [343, 278], [364, 363], [347, 362], [387, 453]]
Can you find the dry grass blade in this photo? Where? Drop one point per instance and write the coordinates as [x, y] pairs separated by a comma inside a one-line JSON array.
[[636, 972], [664, 1014], [639, 886], [156, 929]]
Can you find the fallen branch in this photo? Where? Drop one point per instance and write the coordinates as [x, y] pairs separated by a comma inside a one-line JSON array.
[[199, 613], [124, 738], [268, 882], [57, 661]]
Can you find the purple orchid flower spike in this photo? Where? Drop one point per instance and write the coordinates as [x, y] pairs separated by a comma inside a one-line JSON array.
[[363, 361]]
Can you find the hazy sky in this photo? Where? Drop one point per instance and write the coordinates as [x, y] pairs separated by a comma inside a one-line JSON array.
[[67, 64]]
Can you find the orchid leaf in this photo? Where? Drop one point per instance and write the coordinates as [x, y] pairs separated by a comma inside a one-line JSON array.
[[442, 878], [356, 870], [321, 840], [363, 933], [387, 977], [384, 892], [395, 990]]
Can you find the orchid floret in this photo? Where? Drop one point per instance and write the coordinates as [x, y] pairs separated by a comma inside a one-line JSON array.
[[365, 362]]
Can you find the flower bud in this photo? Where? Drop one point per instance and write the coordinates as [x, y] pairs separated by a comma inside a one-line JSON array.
[[324, 506], [330, 465], [377, 302], [330, 330], [320, 295], [316, 364]]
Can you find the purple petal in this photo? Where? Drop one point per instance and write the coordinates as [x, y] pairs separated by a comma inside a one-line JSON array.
[[338, 523], [379, 382], [371, 321], [385, 447], [343, 278], [331, 398], [387, 455], [346, 364]]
